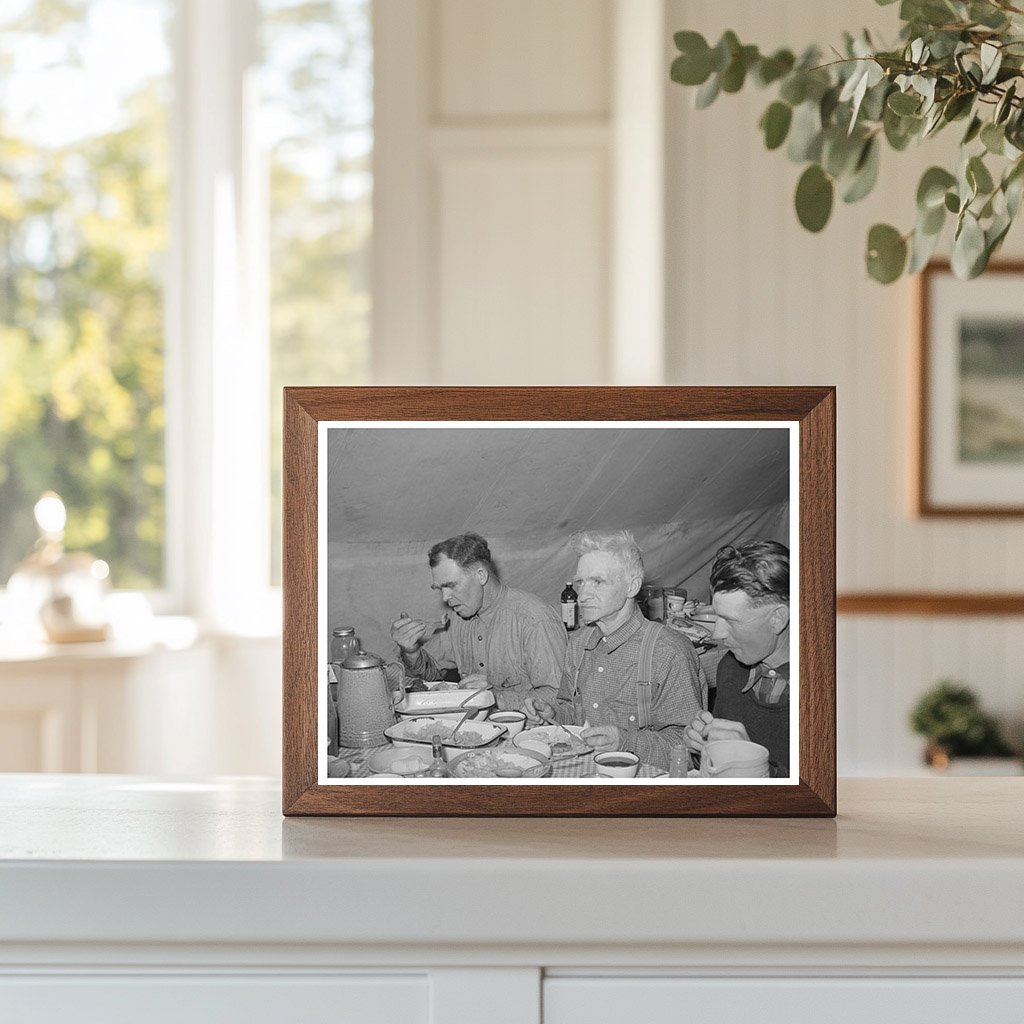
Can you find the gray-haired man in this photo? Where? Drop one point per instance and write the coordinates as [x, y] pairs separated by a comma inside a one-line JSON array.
[[634, 683]]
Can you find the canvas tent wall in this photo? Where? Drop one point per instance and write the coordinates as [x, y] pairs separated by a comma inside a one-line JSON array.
[[394, 492]]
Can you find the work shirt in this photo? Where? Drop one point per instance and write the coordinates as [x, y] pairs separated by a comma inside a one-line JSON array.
[[607, 692], [759, 698], [517, 641]]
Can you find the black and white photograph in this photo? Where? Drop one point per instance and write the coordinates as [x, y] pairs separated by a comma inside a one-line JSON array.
[[598, 603]]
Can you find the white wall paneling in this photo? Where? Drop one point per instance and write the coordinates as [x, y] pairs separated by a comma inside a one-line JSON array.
[[518, 197], [752, 298]]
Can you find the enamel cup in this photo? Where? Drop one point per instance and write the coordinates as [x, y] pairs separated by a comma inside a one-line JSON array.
[[734, 759]]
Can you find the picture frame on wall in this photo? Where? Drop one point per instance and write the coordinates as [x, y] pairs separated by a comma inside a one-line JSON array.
[[970, 444], [559, 601]]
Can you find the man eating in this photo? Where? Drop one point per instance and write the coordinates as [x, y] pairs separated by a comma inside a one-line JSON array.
[[511, 637], [750, 598]]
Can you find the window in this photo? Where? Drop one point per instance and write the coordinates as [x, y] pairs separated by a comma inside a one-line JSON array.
[[83, 235], [185, 221], [318, 132]]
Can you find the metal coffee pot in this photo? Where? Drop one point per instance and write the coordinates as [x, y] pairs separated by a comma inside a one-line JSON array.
[[364, 704]]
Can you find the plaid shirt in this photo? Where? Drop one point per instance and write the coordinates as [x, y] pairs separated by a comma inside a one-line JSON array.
[[607, 686]]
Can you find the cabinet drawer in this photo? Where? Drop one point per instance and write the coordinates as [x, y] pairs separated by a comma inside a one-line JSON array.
[[205, 999], [591, 1000]]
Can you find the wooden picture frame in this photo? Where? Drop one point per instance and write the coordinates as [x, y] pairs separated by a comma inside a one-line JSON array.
[[310, 414], [970, 411]]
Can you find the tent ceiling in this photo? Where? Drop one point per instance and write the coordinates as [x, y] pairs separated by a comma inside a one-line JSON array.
[[424, 484]]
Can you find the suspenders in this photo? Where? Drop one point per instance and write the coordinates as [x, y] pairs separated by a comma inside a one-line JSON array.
[[642, 680]]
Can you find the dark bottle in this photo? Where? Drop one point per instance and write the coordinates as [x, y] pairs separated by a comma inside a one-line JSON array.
[[570, 608]]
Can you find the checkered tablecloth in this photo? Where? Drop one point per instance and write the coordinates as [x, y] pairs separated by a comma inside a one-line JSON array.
[[562, 768]]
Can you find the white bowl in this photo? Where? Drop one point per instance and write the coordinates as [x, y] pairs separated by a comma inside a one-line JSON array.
[[419, 732], [622, 770], [514, 721]]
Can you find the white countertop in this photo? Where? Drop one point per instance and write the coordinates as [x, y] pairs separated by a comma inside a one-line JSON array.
[[125, 859]]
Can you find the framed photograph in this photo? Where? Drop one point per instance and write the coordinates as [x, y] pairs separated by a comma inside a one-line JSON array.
[[971, 393], [559, 601]]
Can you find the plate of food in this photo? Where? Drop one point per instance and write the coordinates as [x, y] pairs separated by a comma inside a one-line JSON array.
[[420, 732], [503, 763], [561, 740]]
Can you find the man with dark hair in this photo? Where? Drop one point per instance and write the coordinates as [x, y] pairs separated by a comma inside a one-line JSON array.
[[750, 598], [511, 637]]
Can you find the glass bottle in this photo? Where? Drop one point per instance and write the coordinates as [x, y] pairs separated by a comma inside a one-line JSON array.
[[438, 767], [570, 607], [678, 762]]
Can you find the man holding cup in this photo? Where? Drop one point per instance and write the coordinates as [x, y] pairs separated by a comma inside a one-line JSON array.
[[633, 683], [750, 598]]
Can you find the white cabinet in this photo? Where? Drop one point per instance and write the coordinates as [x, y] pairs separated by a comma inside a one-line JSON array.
[[204, 999], [823, 1000], [125, 898]]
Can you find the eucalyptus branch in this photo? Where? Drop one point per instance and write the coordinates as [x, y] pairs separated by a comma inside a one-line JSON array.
[[833, 117]]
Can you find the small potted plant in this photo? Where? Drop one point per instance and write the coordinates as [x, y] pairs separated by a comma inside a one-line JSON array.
[[951, 719]]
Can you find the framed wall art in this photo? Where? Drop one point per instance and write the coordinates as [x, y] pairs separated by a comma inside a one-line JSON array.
[[559, 601], [970, 450]]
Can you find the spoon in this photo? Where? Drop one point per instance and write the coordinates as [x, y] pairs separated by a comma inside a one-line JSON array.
[[462, 722]]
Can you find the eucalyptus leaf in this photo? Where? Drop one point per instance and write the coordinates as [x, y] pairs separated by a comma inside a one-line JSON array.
[[814, 195], [991, 58], [978, 175], [922, 248], [968, 246], [873, 106], [933, 220], [995, 233], [1004, 106], [993, 138], [987, 15], [840, 152], [900, 130], [724, 51], [735, 74], [771, 69], [931, 190], [794, 88], [775, 124], [707, 93], [973, 129], [805, 133], [958, 105], [865, 173], [903, 103], [1013, 191], [952, 202], [886, 253]]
